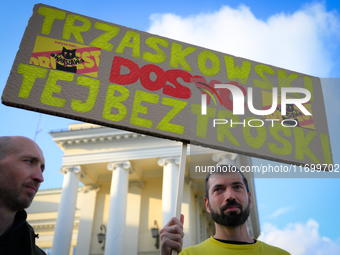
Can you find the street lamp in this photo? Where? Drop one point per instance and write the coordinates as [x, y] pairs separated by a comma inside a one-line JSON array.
[[155, 233], [101, 236]]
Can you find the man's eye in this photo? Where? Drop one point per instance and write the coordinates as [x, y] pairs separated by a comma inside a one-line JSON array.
[[217, 189]]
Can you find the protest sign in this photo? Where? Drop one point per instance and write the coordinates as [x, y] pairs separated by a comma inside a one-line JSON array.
[[86, 69]]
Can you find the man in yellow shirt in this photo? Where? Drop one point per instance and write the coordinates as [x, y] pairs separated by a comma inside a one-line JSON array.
[[228, 200]]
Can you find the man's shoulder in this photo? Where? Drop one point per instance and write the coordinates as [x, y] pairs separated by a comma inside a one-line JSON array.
[[30, 228], [198, 249], [32, 236], [270, 249], [212, 246]]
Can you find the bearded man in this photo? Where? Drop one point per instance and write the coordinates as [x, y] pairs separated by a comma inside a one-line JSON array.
[[228, 200], [21, 172]]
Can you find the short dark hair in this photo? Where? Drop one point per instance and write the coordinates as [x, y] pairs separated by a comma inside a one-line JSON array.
[[224, 169], [6, 145]]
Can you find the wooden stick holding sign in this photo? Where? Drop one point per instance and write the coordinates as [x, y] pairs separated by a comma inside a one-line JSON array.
[[179, 195]]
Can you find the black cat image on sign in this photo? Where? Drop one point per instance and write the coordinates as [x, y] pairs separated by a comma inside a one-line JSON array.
[[67, 60], [291, 116]]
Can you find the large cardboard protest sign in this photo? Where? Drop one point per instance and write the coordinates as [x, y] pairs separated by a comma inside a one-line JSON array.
[[91, 70]]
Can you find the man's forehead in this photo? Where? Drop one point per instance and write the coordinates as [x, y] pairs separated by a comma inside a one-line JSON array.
[[227, 175], [27, 147], [225, 178]]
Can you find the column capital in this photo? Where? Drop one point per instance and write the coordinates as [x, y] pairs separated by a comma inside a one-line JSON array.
[[224, 158], [199, 199], [120, 164], [188, 181], [75, 169], [90, 187], [136, 183], [164, 161]]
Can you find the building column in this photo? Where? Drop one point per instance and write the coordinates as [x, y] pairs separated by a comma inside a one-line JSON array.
[[198, 220], [205, 225], [66, 211], [133, 217], [86, 218], [188, 210], [169, 190], [117, 209], [225, 158]]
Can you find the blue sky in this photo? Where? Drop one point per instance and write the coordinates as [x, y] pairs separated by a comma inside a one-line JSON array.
[[301, 215]]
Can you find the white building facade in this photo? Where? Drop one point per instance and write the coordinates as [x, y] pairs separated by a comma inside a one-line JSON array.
[[123, 184]]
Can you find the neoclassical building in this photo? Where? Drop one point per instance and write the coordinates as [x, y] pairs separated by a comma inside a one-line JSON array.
[[122, 186]]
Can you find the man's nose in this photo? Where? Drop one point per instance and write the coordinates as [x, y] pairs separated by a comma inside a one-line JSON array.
[[229, 195], [38, 175]]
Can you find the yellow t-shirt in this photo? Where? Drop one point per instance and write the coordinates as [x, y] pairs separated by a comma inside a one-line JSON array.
[[212, 246]]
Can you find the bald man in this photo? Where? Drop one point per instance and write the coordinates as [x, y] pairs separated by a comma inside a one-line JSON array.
[[21, 172]]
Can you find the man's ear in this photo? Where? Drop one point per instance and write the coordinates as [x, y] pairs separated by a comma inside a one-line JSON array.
[[206, 201], [251, 204]]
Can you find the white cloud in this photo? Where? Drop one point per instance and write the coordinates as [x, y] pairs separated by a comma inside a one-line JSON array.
[[300, 239], [303, 41], [281, 211], [306, 41]]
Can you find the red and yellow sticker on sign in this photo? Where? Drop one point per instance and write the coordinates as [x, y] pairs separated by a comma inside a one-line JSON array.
[[66, 56], [293, 112]]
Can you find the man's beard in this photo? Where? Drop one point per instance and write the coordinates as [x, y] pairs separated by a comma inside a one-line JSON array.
[[232, 218], [13, 198]]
